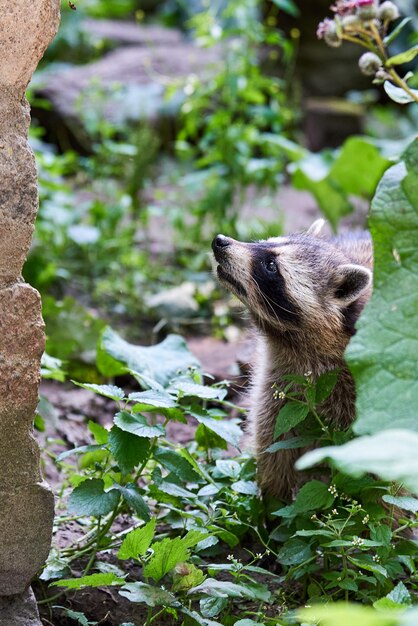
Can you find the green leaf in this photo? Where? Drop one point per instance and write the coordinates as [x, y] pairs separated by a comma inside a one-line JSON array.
[[220, 589], [137, 542], [228, 467], [397, 94], [403, 57], [78, 617], [152, 399], [128, 450], [167, 553], [212, 606], [160, 363], [396, 31], [137, 425], [188, 388], [79, 450], [246, 487], [383, 355], [365, 561], [100, 434], [195, 465], [325, 385], [288, 6], [345, 614], [72, 330], [290, 444], [406, 503], [291, 414], [108, 391], [400, 595], [90, 498], [148, 594], [313, 496], [193, 537], [134, 500], [55, 567], [294, 552], [353, 170], [390, 454], [94, 580], [175, 463], [226, 429]]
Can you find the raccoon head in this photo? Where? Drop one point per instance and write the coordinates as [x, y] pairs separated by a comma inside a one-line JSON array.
[[300, 286]]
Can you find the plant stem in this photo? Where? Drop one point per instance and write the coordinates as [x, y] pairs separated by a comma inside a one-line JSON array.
[[359, 42], [378, 39]]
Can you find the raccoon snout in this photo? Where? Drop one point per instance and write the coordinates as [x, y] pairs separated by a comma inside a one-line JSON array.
[[221, 241], [219, 245]]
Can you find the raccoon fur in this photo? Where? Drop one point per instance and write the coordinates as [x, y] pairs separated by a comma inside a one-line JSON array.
[[305, 293]]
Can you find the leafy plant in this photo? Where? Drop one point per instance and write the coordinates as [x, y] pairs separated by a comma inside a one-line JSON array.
[[227, 119], [190, 508], [366, 23]]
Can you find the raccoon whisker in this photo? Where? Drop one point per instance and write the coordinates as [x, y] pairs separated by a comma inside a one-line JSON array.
[[269, 301]]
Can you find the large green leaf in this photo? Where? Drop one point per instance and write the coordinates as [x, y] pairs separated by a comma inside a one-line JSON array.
[[226, 429], [129, 450], [134, 499], [90, 498], [167, 553], [354, 170], [137, 542], [344, 614], [93, 580], [383, 355], [137, 425], [160, 363], [391, 454], [148, 594]]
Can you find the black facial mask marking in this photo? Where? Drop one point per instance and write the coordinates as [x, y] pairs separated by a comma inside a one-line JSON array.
[[275, 302]]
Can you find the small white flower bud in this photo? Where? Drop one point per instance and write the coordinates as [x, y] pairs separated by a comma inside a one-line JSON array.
[[388, 11], [369, 63], [366, 10], [351, 23], [332, 36]]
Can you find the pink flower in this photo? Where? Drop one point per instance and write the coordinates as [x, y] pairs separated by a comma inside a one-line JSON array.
[[324, 27], [348, 7], [344, 7]]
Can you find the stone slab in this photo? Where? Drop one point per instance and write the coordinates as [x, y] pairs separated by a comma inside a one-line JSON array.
[[140, 73], [22, 342], [26, 520], [19, 610], [26, 30], [129, 33]]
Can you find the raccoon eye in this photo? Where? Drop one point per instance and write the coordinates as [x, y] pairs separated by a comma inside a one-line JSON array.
[[271, 267]]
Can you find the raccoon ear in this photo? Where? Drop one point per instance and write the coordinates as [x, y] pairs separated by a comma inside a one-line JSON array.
[[350, 281], [315, 229]]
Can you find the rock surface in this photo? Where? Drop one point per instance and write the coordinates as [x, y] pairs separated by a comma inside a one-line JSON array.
[[19, 610], [26, 503]]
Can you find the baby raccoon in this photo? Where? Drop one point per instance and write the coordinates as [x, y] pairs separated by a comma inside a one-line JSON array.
[[305, 294]]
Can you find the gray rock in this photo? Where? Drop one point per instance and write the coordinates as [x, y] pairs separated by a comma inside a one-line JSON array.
[[19, 610], [128, 33], [127, 84], [26, 504]]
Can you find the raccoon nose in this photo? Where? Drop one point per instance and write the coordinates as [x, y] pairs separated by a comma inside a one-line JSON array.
[[220, 241]]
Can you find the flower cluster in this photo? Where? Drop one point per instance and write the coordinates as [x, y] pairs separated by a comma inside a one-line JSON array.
[[366, 23], [358, 19]]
